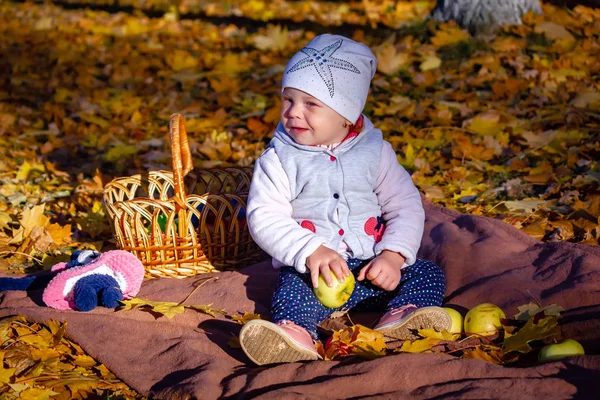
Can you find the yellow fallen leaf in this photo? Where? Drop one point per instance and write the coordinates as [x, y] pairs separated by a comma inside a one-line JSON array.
[[5, 373], [27, 168], [276, 38], [135, 26], [528, 310], [553, 31], [363, 341], [409, 158], [40, 239], [60, 234], [418, 346], [44, 354], [492, 355], [561, 74], [443, 335], [245, 318], [136, 117], [94, 119], [4, 220], [37, 394], [431, 62], [121, 152], [6, 121], [487, 123], [587, 100], [526, 206], [206, 309], [167, 308], [536, 230], [85, 361], [32, 217], [449, 35], [179, 59], [231, 64], [390, 60]]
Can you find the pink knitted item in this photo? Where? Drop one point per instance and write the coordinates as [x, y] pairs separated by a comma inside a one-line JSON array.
[[123, 266]]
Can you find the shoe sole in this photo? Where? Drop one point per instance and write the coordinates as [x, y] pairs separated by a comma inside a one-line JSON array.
[[422, 318], [264, 344]]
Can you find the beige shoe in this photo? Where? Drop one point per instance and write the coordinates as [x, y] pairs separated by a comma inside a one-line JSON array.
[[267, 343], [404, 322]]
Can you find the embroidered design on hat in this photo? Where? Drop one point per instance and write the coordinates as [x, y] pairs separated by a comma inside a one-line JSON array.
[[323, 61]]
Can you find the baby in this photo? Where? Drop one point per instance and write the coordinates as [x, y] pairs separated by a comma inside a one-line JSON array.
[[329, 198]]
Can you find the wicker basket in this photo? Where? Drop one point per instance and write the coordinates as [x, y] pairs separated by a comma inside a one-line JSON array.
[[183, 223]]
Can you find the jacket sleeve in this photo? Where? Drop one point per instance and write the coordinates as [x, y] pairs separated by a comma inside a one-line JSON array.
[[401, 207], [269, 212]]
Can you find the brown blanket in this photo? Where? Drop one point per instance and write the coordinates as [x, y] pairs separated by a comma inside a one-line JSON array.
[[484, 260]]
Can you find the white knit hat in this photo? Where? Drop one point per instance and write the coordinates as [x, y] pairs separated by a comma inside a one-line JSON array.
[[334, 69]]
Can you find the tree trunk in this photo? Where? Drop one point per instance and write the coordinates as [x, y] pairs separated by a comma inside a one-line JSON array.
[[484, 16]]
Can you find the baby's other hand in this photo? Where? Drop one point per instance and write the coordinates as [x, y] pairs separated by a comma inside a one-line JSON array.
[[384, 270], [323, 261]]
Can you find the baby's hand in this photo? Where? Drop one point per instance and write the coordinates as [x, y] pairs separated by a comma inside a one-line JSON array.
[[384, 270], [324, 260]]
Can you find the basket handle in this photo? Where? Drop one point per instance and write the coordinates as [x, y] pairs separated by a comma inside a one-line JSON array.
[[182, 157]]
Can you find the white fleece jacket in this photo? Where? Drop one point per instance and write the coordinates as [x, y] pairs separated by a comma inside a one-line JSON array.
[[269, 212]]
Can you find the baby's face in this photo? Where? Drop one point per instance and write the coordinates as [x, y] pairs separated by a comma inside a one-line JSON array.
[[309, 121]]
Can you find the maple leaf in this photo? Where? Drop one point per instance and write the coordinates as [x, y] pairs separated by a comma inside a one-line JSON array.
[[40, 239], [5, 219], [418, 346], [358, 340], [529, 310], [32, 217], [443, 335], [534, 329], [450, 34], [245, 317], [94, 222], [206, 309], [180, 59], [430, 62], [490, 354], [5, 373], [390, 60], [487, 123], [37, 394], [275, 38], [553, 31], [167, 308], [120, 152], [84, 361], [44, 354], [526, 206], [26, 170], [61, 235]]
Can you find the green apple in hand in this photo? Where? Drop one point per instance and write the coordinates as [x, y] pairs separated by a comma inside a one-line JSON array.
[[556, 351], [484, 319], [336, 295]]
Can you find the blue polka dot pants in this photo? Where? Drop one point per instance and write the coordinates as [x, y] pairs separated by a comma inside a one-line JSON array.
[[421, 284]]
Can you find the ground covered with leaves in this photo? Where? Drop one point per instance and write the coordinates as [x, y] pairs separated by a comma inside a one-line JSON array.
[[505, 126]]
